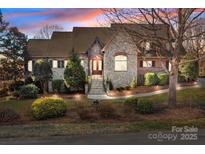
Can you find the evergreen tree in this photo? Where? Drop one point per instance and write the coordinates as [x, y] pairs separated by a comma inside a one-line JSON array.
[[74, 74]]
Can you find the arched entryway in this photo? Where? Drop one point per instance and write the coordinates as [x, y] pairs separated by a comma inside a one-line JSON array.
[[96, 65]]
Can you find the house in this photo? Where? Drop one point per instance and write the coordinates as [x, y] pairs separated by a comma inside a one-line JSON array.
[[105, 52]]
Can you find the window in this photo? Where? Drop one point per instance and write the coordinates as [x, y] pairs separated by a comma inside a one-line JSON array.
[[120, 63], [147, 63], [65, 63], [30, 65], [55, 64], [60, 63]]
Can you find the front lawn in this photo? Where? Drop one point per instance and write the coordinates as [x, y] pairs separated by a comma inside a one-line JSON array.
[[83, 117], [44, 130]]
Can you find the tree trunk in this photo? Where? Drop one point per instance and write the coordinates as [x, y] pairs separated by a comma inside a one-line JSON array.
[[172, 83], [45, 88]]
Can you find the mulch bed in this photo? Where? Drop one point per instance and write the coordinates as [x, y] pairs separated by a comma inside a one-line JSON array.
[[144, 89]]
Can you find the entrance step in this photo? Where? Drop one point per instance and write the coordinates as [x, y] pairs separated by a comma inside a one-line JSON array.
[[96, 86]]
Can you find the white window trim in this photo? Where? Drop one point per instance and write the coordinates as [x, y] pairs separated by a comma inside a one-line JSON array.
[[147, 63], [118, 69], [30, 66]]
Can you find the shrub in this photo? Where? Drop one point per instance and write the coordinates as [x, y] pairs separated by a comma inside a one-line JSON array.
[[15, 93], [74, 73], [57, 85], [150, 79], [8, 115], [29, 91], [133, 83], [48, 107], [145, 106], [162, 78], [132, 102], [107, 110], [15, 85]]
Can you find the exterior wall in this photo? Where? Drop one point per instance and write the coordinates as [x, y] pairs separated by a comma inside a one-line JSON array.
[[158, 66], [121, 43]]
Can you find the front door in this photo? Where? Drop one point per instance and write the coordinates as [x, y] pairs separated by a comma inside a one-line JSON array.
[[97, 66]]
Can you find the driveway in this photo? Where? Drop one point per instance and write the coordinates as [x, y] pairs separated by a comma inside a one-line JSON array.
[[106, 139]]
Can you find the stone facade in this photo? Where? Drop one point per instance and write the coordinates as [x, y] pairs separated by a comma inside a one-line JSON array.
[[120, 43]]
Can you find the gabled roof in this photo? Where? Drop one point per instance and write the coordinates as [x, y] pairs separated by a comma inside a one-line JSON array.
[[85, 36], [80, 39]]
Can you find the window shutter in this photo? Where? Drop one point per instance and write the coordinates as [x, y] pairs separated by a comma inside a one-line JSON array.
[[51, 63], [59, 63], [62, 63], [141, 63], [153, 63]]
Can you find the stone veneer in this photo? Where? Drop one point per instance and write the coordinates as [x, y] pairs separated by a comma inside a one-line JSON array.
[[121, 43]]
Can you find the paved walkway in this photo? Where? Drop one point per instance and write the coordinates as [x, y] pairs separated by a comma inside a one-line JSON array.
[[106, 97], [96, 89]]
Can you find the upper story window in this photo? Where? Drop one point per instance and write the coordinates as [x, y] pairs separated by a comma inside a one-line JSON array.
[[147, 63], [121, 63]]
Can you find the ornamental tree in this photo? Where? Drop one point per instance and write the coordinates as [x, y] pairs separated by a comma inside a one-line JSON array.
[[43, 73]]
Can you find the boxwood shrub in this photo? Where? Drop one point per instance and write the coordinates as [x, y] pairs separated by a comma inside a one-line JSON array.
[[150, 79], [48, 107], [145, 106], [132, 102], [28, 91], [162, 78]]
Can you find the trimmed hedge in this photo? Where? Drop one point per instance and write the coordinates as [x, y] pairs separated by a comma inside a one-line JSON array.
[[28, 91], [162, 78], [48, 107], [145, 106], [150, 79], [57, 85]]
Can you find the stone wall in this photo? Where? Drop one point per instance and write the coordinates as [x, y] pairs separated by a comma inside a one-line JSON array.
[[121, 43]]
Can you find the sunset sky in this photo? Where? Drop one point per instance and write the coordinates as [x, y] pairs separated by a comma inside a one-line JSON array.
[[31, 20]]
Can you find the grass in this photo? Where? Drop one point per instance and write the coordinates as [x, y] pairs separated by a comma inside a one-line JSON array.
[[194, 96], [44, 130]]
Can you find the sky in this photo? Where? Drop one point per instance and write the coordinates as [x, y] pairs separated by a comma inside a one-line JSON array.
[[31, 20]]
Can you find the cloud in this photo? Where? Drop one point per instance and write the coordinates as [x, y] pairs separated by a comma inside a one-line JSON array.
[[54, 16]]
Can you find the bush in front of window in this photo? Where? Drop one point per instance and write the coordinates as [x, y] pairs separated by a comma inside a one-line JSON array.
[[150, 79], [57, 85], [162, 78]]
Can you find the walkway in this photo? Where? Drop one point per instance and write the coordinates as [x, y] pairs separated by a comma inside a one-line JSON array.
[[96, 89], [106, 97]]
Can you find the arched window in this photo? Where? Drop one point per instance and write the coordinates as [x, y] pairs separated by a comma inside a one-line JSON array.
[[120, 63]]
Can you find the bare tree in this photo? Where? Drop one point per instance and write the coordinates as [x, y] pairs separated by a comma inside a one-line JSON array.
[[46, 31], [178, 23]]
